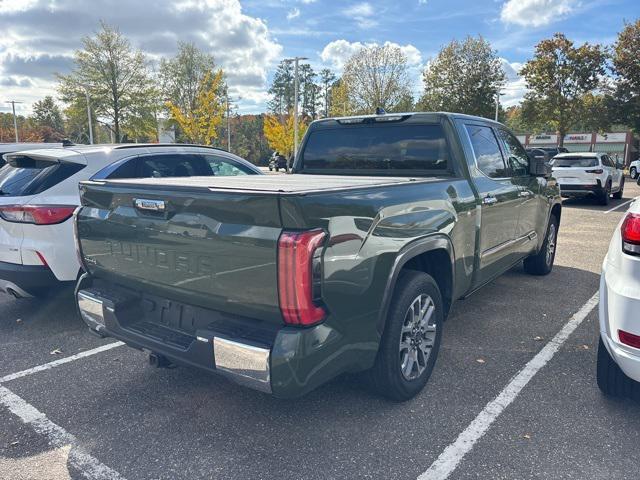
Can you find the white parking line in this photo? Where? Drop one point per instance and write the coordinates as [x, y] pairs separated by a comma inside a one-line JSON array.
[[449, 459], [618, 206], [57, 437], [61, 361]]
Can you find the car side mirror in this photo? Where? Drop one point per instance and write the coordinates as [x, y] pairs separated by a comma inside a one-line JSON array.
[[539, 167]]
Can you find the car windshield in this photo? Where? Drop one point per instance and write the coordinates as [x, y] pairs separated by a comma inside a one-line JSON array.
[[381, 149], [578, 162]]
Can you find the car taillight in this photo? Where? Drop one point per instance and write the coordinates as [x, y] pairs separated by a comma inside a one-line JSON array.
[[597, 171], [36, 214], [631, 234], [300, 276], [629, 339]]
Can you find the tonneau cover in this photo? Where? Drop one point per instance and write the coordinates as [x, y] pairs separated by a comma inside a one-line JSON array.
[[297, 183]]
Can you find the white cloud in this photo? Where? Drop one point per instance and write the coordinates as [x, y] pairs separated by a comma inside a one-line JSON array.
[[336, 53], [293, 13], [37, 41], [307, 2], [536, 13], [515, 86], [422, 2], [362, 13]]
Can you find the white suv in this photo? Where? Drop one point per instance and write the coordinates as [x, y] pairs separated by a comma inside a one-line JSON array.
[[588, 174], [634, 168], [39, 193], [619, 348]]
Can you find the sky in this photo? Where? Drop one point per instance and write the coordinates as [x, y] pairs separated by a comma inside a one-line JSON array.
[[249, 37]]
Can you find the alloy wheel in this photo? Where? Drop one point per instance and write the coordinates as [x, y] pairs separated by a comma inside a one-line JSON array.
[[417, 337]]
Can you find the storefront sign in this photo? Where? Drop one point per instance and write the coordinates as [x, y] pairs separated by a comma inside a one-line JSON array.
[[617, 137], [543, 139], [577, 138]]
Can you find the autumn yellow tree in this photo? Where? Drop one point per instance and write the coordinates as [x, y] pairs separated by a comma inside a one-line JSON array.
[[200, 124], [279, 132]]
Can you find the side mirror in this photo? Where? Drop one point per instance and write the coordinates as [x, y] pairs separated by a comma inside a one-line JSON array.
[[539, 167]]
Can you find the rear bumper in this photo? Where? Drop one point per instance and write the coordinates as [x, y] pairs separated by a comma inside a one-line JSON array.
[[587, 189], [25, 280], [287, 363]]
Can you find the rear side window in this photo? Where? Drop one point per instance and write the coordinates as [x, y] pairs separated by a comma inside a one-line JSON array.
[[30, 177], [223, 167], [578, 162], [486, 150], [382, 149]]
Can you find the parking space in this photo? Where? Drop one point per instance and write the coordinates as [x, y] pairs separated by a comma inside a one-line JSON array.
[[110, 415]]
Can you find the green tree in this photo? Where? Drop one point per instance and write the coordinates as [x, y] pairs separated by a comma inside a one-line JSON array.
[[377, 76], [464, 77], [47, 114], [282, 89], [327, 77], [115, 76], [181, 75], [559, 76], [626, 65]]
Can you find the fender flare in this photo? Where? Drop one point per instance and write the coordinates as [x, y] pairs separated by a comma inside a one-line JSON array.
[[408, 252]]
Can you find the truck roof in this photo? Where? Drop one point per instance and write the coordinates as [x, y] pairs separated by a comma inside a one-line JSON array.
[[416, 115]]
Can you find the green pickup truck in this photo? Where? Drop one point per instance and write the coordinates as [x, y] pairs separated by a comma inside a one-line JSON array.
[[350, 264]]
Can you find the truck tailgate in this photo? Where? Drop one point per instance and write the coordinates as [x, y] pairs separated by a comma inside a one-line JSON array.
[[211, 249]]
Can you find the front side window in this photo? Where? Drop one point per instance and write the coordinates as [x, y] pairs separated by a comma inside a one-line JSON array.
[[487, 151], [223, 167], [517, 158]]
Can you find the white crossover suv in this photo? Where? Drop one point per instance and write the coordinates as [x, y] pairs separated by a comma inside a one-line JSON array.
[[634, 169], [588, 174], [619, 348], [39, 193]]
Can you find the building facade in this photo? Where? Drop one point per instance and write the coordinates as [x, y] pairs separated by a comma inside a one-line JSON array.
[[620, 145]]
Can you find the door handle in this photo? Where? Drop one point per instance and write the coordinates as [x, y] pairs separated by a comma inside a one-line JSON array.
[[489, 200], [525, 193]]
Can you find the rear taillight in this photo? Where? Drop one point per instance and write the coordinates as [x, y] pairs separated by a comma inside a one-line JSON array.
[[631, 234], [36, 214], [629, 339], [597, 171], [300, 276]]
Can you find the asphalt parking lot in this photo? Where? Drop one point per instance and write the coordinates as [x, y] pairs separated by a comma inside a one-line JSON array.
[[106, 414]]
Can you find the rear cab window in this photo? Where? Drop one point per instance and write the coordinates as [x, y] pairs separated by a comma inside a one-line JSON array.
[[27, 176], [575, 162], [377, 149]]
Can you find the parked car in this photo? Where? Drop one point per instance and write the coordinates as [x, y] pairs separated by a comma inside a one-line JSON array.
[[277, 162], [634, 168], [618, 368], [39, 192], [581, 174], [551, 151], [19, 147], [351, 264]]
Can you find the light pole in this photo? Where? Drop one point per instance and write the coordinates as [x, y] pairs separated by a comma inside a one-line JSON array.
[[15, 119], [295, 61], [86, 93], [497, 104]]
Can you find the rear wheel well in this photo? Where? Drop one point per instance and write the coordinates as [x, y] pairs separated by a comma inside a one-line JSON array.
[[436, 263]]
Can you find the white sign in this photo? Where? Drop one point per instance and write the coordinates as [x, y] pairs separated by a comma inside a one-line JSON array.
[[546, 139], [577, 138], [618, 137]]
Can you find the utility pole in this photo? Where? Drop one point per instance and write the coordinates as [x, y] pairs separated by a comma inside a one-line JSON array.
[[15, 119], [228, 121], [86, 93], [295, 61], [497, 104]]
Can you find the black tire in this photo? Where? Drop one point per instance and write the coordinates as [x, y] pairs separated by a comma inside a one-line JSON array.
[[605, 195], [611, 379], [633, 172], [387, 376], [541, 263], [618, 195]]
